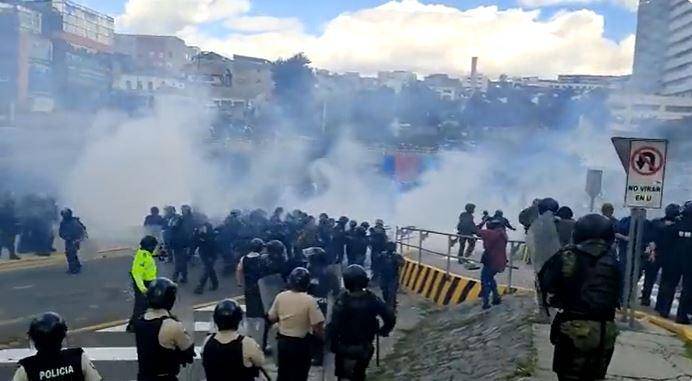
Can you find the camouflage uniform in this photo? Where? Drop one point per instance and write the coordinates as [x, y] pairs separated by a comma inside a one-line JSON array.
[[583, 281]]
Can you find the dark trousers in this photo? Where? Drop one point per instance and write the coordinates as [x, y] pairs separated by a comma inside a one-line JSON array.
[[670, 278], [140, 305], [389, 290], [488, 285], [180, 258], [651, 270], [294, 358], [209, 273], [466, 247], [71, 250], [685, 307]]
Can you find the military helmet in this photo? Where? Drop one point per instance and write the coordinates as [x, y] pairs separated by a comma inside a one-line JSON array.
[[47, 331], [548, 205], [257, 245], [161, 294], [593, 226], [276, 248], [149, 243], [355, 278], [299, 279], [228, 315], [673, 211]]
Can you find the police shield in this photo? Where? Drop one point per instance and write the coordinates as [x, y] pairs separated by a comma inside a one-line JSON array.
[[269, 287]]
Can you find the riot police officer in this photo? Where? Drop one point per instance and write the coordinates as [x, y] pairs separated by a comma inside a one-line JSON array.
[[583, 281], [227, 354], [73, 231], [248, 275], [143, 272], [299, 318], [51, 362], [354, 325], [357, 247], [323, 285], [664, 236], [683, 248], [390, 266], [163, 345]]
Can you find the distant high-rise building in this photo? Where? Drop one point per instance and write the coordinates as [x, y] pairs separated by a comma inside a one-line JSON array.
[[663, 51]]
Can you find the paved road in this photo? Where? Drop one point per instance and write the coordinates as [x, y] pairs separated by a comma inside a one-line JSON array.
[[100, 294]]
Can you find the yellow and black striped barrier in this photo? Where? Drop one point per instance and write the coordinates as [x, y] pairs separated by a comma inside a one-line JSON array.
[[434, 284]]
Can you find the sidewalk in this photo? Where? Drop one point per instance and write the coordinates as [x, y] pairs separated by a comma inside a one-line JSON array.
[[650, 353]]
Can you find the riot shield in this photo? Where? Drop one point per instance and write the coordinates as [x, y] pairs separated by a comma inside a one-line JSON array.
[[269, 287]]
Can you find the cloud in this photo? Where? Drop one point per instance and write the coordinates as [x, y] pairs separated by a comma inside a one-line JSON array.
[[628, 4], [261, 24], [430, 38], [171, 16]]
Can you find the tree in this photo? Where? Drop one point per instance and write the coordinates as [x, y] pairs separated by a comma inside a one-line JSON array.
[[294, 85]]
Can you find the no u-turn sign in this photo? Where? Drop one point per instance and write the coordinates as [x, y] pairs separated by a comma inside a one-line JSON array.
[[645, 163]]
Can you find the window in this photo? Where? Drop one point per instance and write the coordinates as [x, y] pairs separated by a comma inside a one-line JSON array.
[[150, 86], [128, 85], [139, 85], [642, 107], [679, 108]]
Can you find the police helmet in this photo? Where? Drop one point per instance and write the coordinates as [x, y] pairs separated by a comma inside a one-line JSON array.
[[257, 245], [593, 226], [687, 209], [343, 220], [361, 230], [390, 246], [316, 255], [470, 208], [48, 331], [149, 243], [365, 225], [276, 248], [161, 294], [499, 213], [352, 224], [565, 213], [235, 212], [169, 209], [228, 315], [379, 222], [355, 278], [186, 209], [66, 213], [299, 279], [154, 210], [673, 211], [548, 205]]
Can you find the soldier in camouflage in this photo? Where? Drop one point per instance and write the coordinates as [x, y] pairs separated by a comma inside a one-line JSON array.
[[583, 281]]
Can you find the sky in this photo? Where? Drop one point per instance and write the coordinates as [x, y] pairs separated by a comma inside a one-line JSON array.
[[516, 37]]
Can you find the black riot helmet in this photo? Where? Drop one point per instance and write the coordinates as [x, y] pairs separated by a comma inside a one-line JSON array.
[[470, 208], [565, 212], [365, 225], [343, 220], [299, 279], [66, 213], [316, 256], [390, 247], [256, 245], [673, 211], [47, 332], [548, 205], [687, 209], [276, 248], [593, 226], [355, 278], [352, 224], [161, 294], [186, 210], [228, 315], [149, 243]]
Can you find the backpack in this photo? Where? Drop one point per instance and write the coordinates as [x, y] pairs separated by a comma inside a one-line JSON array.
[[577, 280]]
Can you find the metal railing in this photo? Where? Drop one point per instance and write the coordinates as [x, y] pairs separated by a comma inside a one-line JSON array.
[[413, 239]]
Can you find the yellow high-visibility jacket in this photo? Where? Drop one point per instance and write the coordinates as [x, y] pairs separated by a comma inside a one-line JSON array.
[[143, 269]]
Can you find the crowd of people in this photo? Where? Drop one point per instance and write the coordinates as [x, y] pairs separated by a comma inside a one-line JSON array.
[[27, 226]]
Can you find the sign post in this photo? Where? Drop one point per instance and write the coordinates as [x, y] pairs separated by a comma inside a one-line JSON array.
[[644, 161], [594, 181]]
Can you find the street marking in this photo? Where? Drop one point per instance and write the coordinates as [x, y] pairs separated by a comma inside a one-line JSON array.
[[28, 286]]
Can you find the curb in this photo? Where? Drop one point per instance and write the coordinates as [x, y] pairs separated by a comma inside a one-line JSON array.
[[55, 259], [434, 284], [683, 331]]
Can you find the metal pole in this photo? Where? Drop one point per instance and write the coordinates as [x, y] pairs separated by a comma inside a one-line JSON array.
[[629, 257], [449, 253], [511, 265], [592, 204], [420, 247], [639, 245]]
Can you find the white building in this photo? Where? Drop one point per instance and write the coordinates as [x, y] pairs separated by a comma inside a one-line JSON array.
[[146, 82], [631, 108], [396, 80]]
